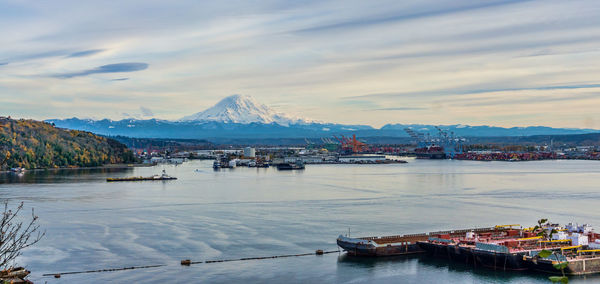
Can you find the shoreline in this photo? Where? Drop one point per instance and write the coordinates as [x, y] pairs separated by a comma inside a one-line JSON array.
[[108, 166]]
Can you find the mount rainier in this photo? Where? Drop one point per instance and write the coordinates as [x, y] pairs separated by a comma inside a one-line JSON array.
[[241, 117]]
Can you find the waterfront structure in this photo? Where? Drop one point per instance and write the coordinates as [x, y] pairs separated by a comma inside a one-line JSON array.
[[361, 159], [249, 152]]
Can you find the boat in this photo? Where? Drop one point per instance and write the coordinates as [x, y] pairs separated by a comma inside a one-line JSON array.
[[298, 165], [232, 163], [164, 176], [262, 165], [19, 170], [578, 262], [580, 258]]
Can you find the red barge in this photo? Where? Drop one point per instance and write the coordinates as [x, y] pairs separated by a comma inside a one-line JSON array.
[[503, 247]]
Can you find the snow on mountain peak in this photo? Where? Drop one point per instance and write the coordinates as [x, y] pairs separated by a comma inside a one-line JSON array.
[[243, 109]]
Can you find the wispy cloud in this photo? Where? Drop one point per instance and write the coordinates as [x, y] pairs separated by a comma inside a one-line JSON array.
[[537, 99], [406, 15], [467, 91], [399, 108], [146, 111], [352, 62], [53, 53], [38, 55], [85, 53], [110, 68], [3, 63]]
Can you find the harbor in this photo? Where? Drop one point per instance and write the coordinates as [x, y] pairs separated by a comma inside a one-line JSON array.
[[274, 213], [341, 142], [288, 158]]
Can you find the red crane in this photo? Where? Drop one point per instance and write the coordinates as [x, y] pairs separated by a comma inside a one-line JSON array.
[[351, 144]]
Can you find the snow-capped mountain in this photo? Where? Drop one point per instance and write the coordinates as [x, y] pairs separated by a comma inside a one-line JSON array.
[[244, 110], [242, 117]]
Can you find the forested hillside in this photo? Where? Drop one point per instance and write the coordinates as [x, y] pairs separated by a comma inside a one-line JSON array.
[[34, 144]]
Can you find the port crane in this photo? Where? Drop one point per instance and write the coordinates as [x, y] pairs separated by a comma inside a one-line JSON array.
[[451, 143], [351, 144]]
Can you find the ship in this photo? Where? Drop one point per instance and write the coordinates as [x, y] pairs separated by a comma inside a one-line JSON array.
[[430, 152], [164, 176], [298, 165]]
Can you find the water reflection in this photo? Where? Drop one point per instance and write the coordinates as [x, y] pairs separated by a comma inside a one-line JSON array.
[[246, 212], [60, 175], [423, 264]]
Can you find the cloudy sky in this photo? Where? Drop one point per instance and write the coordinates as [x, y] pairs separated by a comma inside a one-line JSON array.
[[497, 62]]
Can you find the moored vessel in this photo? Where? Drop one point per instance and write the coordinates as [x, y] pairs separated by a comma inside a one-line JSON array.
[[518, 249], [164, 176], [298, 165], [430, 152], [395, 245]]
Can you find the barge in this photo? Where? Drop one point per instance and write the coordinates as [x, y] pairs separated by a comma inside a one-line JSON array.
[[518, 249], [164, 176], [397, 245], [503, 247]]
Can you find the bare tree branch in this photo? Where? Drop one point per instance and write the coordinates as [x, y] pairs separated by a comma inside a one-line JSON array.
[[15, 235]]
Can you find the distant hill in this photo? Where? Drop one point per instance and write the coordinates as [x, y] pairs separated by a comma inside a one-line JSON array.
[[163, 143], [34, 144], [590, 139], [241, 117], [222, 132]]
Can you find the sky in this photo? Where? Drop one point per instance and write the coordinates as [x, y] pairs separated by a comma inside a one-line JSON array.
[[493, 62]]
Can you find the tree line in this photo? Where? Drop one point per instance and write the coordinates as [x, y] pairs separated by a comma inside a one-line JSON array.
[[34, 144]]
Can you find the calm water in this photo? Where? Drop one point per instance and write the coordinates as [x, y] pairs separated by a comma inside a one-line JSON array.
[[244, 212]]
